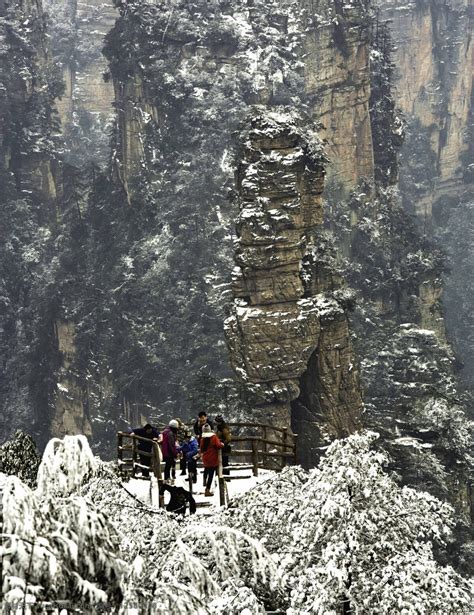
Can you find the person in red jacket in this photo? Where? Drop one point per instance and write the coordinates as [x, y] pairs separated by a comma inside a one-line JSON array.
[[209, 446]]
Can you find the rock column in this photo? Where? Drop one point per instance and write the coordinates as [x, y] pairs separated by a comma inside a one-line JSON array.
[[279, 330]]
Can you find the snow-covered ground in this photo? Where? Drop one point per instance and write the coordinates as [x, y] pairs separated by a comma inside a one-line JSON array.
[[141, 488]]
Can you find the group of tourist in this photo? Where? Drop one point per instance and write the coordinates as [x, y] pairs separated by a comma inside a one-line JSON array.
[[178, 442]]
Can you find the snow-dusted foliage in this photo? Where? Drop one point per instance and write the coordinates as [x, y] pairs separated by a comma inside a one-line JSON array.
[[178, 565], [354, 539], [395, 275], [204, 558], [369, 544], [269, 504], [454, 433], [343, 536], [56, 544], [65, 465], [21, 458]]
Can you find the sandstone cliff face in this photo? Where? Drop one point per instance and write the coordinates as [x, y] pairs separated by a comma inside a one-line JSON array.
[[24, 56], [289, 343], [281, 323], [94, 19], [78, 30], [434, 60], [135, 112], [70, 400], [332, 41], [32, 186], [337, 82]]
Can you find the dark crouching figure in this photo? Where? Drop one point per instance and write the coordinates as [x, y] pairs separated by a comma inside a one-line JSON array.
[[224, 435], [209, 447], [179, 499], [144, 446]]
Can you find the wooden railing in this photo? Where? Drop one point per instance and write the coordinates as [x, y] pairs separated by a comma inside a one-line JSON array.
[[265, 450], [127, 443], [259, 452]]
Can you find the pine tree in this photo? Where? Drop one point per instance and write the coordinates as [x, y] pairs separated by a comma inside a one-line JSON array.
[[56, 545]]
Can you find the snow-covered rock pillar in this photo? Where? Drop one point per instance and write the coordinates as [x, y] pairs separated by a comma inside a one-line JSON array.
[[275, 326]]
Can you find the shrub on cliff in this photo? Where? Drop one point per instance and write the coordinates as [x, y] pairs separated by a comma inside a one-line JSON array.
[[20, 457]]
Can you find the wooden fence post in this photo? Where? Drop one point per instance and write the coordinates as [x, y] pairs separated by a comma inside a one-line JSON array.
[[285, 441], [255, 457], [119, 449], [156, 465], [295, 441], [134, 455], [220, 479], [265, 444]]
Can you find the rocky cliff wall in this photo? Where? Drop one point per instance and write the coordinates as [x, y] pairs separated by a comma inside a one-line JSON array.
[[396, 271], [434, 61], [161, 88], [78, 29], [70, 402], [332, 43], [32, 188], [336, 51], [247, 54], [136, 113], [94, 19], [25, 59]]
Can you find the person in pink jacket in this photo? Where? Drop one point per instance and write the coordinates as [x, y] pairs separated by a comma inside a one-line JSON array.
[[209, 447], [169, 449]]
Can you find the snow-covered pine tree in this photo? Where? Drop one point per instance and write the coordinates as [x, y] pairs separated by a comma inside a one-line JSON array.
[[341, 538], [56, 544], [65, 465]]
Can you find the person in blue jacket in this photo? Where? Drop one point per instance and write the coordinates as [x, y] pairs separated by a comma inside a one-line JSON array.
[[144, 446], [189, 450]]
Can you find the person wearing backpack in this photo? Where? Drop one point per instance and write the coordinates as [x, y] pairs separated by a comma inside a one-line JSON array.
[[144, 446], [209, 447]]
